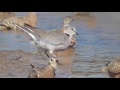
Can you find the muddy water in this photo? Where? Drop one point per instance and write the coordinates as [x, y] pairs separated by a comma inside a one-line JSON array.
[[97, 43]]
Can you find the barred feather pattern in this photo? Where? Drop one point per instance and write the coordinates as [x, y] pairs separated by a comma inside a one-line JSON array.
[[9, 22], [114, 67], [45, 72], [48, 71], [30, 19]]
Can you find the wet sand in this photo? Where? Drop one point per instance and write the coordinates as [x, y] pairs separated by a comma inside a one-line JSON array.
[[15, 63]]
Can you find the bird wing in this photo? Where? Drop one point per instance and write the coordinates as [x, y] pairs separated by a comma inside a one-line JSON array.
[[53, 38]]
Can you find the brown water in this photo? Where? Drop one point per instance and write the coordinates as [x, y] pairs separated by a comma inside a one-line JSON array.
[[98, 41]]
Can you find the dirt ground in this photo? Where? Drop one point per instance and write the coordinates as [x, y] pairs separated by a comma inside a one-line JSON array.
[[16, 63]]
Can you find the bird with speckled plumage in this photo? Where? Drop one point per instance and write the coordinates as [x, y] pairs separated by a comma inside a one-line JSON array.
[[112, 68], [47, 71], [30, 19]]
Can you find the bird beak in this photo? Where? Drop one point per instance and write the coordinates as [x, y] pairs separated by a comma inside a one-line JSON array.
[[77, 33], [58, 62], [107, 63]]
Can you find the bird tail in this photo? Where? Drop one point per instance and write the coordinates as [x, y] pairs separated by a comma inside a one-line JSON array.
[[32, 66], [25, 29], [29, 31], [29, 26]]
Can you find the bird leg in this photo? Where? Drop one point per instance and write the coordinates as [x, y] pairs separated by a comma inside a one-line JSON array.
[[51, 52], [47, 54], [53, 55]]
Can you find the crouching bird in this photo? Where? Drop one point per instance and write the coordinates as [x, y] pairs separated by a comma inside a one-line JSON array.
[[112, 68], [30, 19], [47, 71]]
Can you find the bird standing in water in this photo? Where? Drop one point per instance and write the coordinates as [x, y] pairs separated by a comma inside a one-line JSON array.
[[66, 24], [50, 40]]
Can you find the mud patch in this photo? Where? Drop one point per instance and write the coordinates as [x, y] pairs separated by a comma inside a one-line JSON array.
[[16, 63]]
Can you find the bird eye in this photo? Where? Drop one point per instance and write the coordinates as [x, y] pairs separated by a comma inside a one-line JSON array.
[[52, 60]]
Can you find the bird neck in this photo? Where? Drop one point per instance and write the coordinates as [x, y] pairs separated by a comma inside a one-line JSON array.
[[53, 65], [66, 25]]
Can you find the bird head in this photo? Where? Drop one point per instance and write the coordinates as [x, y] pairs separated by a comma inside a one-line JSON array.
[[70, 31], [67, 20], [53, 62]]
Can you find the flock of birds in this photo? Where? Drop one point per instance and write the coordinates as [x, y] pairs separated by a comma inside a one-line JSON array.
[[50, 41]]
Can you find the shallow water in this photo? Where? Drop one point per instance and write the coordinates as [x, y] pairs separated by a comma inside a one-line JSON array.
[[97, 43]]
